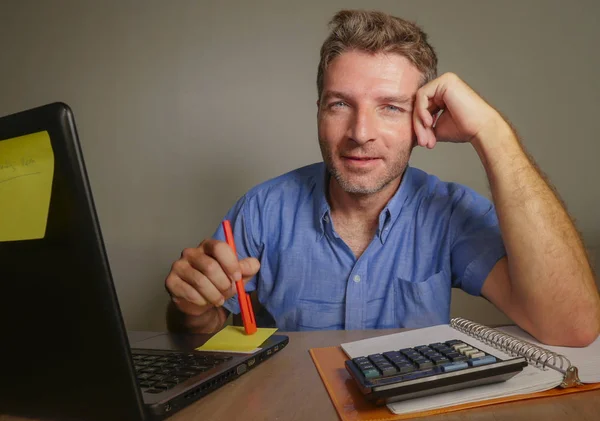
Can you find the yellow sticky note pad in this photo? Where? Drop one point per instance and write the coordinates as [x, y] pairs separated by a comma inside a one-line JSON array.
[[26, 172], [234, 338]]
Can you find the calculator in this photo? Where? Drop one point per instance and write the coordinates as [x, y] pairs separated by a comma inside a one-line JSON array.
[[425, 370]]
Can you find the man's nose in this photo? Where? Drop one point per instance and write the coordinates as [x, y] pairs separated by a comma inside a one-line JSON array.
[[363, 126]]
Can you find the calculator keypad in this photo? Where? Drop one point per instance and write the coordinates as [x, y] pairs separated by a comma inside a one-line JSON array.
[[423, 360]]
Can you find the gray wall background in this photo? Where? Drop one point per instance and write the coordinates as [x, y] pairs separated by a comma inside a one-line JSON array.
[[182, 106]]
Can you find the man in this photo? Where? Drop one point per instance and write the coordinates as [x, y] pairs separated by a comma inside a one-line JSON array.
[[365, 241]]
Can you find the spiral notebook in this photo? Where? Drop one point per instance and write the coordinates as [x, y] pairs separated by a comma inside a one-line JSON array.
[[555, 369]]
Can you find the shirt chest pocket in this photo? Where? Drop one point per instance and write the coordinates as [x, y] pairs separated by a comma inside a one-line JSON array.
[[423, 303], [315, 315]]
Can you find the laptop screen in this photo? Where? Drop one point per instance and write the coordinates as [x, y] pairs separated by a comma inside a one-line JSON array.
[[65, 349]]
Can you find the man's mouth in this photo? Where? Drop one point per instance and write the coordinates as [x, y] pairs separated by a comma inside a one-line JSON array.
[[360, 158], [360, 162]]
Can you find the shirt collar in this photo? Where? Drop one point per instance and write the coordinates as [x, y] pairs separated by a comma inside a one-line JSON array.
[[387, 217]]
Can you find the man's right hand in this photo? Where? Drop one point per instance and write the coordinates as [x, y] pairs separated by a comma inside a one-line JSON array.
[[204, 277]]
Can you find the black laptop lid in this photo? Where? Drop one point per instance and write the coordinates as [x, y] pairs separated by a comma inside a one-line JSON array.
[[64, 347]]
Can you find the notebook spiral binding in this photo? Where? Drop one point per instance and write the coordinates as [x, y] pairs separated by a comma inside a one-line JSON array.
[[536, 355]]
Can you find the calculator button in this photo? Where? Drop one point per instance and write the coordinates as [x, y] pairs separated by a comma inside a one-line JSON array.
[[476, 362], [388, 371], [406, 368], [446, 368], [478, 354], [424, 364], [440, 360], [459, 357], [364, 367], [469, 353], [369, 374], [381, 366], [374, 357]]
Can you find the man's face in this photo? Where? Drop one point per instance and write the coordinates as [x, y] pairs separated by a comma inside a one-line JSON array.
[[365, 119]]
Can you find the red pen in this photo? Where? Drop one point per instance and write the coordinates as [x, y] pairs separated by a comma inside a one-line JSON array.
[[243, 298]]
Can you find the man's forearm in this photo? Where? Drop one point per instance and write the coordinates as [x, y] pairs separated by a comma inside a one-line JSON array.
[[553, 292], [208, 322]]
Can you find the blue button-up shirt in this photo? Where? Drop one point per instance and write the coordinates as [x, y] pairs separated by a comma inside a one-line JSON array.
[[431, 236]]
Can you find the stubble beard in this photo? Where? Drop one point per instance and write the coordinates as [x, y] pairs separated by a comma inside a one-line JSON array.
[[373, 186]]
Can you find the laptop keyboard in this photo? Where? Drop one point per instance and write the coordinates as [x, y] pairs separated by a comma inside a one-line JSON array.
[[157, 373]]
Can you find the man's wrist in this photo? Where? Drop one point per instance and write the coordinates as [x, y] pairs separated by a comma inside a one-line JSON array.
[[209, 321], [496, 142]]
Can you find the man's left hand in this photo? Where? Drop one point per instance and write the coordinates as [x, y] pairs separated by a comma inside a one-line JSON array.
[[464, 114]]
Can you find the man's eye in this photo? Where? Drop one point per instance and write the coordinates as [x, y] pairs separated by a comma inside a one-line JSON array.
[[338, 104], [393, 108]]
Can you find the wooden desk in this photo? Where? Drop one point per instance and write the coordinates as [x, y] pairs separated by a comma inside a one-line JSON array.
[[288, 387]]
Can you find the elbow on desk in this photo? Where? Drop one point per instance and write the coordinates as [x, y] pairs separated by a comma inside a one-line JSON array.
[[589, 330], [581, 334]]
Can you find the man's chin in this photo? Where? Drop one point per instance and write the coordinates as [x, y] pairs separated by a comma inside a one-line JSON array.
[[360, 188], [362, 185]]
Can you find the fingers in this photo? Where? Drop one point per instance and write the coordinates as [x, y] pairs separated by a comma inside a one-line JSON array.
[[423, 124], [224, 255], [428, 103], [189, 284], [204, 276], [250, 267], [203, 267], [182, 291], [419, 129]]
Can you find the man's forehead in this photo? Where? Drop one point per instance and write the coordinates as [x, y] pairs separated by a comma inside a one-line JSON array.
[[383, 74], [381, 95]]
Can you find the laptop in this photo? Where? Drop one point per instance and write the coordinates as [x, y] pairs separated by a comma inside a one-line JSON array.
[[65, 353]]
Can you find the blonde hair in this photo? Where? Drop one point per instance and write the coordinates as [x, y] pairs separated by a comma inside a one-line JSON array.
[[376, 32]]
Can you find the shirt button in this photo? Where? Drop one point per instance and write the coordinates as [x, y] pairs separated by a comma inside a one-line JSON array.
[[357, 278], [326, 219]]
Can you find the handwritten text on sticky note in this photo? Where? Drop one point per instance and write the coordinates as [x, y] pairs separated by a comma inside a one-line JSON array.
[[26, 172]]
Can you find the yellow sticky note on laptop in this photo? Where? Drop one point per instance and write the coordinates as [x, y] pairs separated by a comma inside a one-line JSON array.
[[233, 338], [26, 172]]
